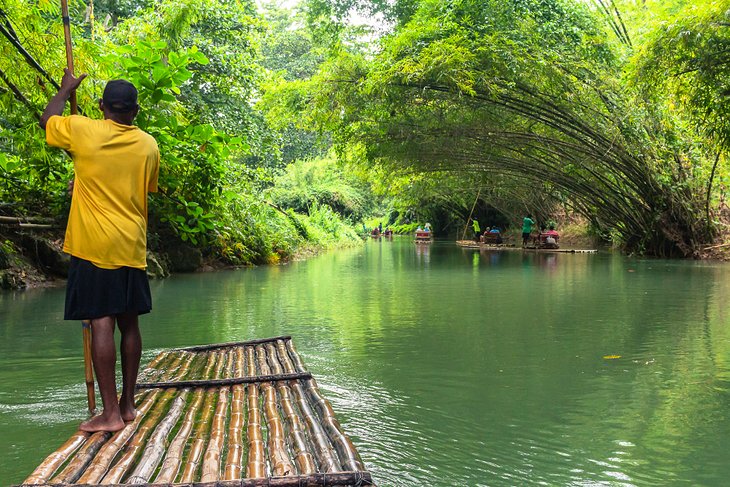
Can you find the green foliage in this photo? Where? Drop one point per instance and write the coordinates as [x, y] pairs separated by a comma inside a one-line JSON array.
[[528, 99], [687, 58], [197, 67], [315, 183]]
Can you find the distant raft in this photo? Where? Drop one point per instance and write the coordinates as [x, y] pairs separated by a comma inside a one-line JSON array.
[[471, 244], [232, 414]]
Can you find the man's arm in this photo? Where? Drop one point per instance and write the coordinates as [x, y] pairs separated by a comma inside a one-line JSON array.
[[55, 107]]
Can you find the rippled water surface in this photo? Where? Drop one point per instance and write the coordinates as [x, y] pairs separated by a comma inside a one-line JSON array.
[[447, 367]]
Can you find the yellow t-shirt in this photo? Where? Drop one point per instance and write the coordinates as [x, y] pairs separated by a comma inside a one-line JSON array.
[[115, 166]]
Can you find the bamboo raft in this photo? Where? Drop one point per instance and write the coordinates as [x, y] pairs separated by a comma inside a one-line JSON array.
[[239, 414], [471, 244]]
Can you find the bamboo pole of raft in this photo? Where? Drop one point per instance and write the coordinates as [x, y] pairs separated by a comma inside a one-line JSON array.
[[155, 449], [173, 458], [326, 455], [114, 475], [302, 457], [234, 456], [111, 448], [348, 453], [294, 356], [48, 467], [212, 458], [278, 454], [203, 425], [344, 447], [256, 462], [82, 459], [199, 435], [155, 367]]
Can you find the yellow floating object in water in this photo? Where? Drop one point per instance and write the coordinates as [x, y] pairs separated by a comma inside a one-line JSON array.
[[611, 357]]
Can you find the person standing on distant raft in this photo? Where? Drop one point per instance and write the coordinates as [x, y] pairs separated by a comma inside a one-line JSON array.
[[475, 227], [527, 224], [116, 164]]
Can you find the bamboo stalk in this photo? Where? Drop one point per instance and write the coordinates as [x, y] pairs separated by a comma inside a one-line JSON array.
[[313, 480], [240, 363], [303, 458], [219, 364], [233, 468], [200, 348], [349, 457], [186, 361], [199, 437], [171, 363], [53, 461], [212, 458], [256, 461], [111, 449], [231, 364], [156, 445], [348, 454], [82, 459], [295, 358], [281, 465], [248, 353], [284, 357], [209, 366], [155, 367], [262, 361], [325, 454], [173, 459], [114, 475]]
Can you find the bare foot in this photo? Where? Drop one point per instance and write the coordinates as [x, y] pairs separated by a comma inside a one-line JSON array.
[[129, 416], [102, 423], [128, 412]]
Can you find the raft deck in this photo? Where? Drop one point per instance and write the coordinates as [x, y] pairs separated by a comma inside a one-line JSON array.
[[232, 414]]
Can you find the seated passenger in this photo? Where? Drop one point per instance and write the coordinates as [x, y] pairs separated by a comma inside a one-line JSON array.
[[550, 238]]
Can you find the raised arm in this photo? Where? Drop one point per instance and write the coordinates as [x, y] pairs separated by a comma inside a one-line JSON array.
[[56, 105]]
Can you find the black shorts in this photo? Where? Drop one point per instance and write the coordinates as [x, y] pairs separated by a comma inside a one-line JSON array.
[[93, 292]]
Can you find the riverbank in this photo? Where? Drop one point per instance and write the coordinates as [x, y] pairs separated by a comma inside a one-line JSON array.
[[35, 259]]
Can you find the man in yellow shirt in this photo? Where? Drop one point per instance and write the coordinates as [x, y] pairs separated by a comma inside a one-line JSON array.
[[116, 164]]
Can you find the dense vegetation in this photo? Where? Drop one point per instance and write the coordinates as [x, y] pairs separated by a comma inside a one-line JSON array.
[[545, 103], [285, 128], [198, 66]]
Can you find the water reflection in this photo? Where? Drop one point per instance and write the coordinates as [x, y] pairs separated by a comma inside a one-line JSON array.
[[488, 369]]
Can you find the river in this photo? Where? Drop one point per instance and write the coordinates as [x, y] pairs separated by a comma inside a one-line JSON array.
[[446, 366]]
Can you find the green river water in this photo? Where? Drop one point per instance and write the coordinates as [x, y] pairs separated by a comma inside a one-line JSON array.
[[447, 367]]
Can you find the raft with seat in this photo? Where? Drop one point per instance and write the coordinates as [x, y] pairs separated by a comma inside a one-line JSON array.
[[231, 414]]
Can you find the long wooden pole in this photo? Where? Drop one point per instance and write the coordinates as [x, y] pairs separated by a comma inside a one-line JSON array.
[[88, 370], [463, 236], [69, 51]]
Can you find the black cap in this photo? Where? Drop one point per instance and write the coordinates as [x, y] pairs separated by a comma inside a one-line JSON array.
[[120, 96]]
